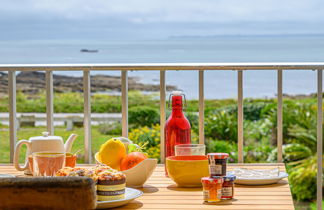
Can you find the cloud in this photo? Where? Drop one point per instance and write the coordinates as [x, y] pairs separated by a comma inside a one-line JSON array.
[[43, 19], [147, 11]]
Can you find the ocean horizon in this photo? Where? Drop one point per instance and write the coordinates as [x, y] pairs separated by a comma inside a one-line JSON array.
[[218, 84]]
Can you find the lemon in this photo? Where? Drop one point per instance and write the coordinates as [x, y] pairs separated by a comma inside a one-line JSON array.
[[112, 152]]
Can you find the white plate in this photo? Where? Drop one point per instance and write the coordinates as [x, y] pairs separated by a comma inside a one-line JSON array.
[[261, 181], [130, 194]]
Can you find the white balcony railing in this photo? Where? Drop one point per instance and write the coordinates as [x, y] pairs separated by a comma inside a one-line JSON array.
[[163, 67]]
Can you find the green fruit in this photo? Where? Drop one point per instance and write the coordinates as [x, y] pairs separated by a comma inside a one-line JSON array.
[[133, 148]]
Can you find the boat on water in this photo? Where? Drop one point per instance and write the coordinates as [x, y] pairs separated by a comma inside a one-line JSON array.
[[89, 51]]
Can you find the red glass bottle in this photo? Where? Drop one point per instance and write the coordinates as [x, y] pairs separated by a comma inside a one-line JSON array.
[[177, 127]]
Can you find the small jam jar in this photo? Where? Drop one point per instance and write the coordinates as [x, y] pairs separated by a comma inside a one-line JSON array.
[[217, 164], [212, 189], [228, 187]]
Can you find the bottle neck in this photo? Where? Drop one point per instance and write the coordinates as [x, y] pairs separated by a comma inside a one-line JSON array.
[[177, 112], [177, 106]]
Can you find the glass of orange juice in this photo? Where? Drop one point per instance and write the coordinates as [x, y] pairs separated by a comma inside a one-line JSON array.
[[47, 163]]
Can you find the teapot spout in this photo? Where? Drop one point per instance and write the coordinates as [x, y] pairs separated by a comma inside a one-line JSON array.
[[69, 142]]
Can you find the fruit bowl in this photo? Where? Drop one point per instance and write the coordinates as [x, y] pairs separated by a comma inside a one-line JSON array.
[[137, 176], [187, 171]]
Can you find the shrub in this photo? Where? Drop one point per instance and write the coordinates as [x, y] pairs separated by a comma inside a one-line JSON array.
[[193, 120], [224, 147], [221, 126], [143, 116], [252, 111], [291, 152], [256, 153], [150, 135], [302, 178], [110, 128], [252, 153], [257, 132], [299, 128], [294, 113]]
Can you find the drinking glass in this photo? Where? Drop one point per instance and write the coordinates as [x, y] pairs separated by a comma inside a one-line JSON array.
[[190, 149], [47, 163]]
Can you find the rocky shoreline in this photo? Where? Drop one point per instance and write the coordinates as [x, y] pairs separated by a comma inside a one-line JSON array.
[[33, 82]]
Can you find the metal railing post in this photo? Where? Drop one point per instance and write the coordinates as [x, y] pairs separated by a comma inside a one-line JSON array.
[[279, 116], [319, 139], [240, 115], [124, 89], [87, 116], [12, 112], [162, 114], [49, 102], [201, 107]]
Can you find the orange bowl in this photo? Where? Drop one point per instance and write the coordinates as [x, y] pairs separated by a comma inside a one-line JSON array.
[[187, 171]]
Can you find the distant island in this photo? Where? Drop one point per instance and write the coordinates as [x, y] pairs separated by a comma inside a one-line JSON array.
[[89, 51], [31, 82]]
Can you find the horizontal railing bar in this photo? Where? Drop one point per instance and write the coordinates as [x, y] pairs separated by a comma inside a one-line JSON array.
[[163, 66]]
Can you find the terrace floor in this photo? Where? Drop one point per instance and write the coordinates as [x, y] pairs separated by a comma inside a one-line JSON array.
[[161, 192]]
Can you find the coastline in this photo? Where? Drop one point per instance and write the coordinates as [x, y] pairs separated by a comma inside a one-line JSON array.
[[34, 82]]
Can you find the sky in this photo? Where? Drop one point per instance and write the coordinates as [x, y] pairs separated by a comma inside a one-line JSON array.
[[142, 19]]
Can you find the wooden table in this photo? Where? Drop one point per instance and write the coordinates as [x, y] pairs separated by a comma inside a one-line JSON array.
[[161, 192]]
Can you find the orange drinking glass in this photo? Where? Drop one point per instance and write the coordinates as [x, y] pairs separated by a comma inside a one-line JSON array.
[[47, 163]]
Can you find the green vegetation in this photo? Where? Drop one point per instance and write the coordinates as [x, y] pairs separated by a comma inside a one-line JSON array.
[[313, 205], [26, 133], [260, 121], [149, 136], [100, 103], [143, 116]]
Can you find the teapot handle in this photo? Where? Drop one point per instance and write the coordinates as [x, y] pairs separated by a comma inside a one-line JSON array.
[[17, 153]]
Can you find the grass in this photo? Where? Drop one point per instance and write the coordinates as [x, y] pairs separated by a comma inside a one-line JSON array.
[[313, 205], [102, 103], [26, 133]]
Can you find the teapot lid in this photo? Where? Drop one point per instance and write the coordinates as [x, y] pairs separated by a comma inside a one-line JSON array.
[[45, 136]]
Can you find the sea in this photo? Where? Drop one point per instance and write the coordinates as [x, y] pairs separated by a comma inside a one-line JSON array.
[[218, 84]]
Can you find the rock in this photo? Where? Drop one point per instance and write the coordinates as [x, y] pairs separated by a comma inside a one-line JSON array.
[[32, 82]]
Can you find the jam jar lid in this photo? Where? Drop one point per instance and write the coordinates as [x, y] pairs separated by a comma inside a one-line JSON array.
[[214, 179], [218, 155], [229, 178]]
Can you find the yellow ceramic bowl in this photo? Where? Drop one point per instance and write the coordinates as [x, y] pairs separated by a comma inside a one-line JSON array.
[[187, 171]]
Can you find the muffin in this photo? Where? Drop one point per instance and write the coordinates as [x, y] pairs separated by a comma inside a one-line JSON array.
[[110, 185], [78, 171]]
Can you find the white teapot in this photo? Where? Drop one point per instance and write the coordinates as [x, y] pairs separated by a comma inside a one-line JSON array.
[[42, 143]]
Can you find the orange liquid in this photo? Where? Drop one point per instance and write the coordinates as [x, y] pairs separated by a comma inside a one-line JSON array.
[[70, 161], [49, 165]]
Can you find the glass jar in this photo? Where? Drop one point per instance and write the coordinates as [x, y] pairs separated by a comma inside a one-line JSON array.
[[212, 189], [190, 149], [228, 187], [217, 164]]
